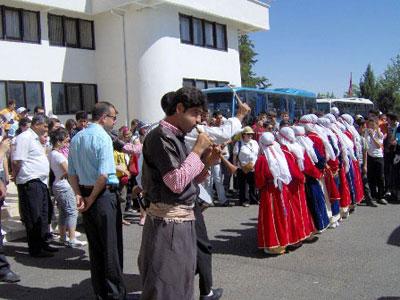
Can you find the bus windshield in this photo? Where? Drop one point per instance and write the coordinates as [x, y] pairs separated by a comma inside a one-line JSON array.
[[220, 102]]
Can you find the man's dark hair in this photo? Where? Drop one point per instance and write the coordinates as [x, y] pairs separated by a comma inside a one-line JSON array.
[[271, 114], [36, 109], [166, 100], [284, 123], [100, 109], [11, 102], [22, 123], [217, 113], [81, 115], [360, 122], [189, 97], [58, 135], [69, 124], [392, 116], [52, 122], [374, 112], [40, 119]]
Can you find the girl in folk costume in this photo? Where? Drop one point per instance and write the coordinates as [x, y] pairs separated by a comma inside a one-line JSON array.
[[314, 193], [346, 154], [272, 177], [324, 152], [332, 173], [353, 134], [296, 160]]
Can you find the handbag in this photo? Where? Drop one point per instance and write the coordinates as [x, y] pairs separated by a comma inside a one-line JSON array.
[[133, 165]]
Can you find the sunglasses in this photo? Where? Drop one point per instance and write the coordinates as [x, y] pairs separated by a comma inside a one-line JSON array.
[[112, 117]]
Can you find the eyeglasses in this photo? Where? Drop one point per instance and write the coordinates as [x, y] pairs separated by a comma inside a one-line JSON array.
[[112, 117]]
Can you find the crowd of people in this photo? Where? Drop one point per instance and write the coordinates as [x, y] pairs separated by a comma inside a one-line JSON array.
[[306, 175]]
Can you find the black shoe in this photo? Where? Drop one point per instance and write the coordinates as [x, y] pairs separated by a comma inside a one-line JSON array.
[[10, 277], [370, 203], [225, 204], [42, 254], [311, 239], [382, 201], [294, 246], [48, 248], [217, 293]]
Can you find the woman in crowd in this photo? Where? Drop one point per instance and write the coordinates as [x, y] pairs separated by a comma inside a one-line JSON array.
[[63, 193]]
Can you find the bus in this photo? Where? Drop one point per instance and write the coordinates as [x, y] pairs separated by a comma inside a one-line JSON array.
[[352, 106], [295, 102]]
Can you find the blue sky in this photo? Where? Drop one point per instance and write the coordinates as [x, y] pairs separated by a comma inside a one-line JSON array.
[[315, 44]]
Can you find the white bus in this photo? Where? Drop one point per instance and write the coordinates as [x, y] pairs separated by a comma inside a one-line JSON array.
[[352, 106]]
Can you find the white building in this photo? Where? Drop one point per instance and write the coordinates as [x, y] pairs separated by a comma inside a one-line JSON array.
[[67, 54]]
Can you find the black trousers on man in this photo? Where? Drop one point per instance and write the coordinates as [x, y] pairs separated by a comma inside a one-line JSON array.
[[4, 265], [103, 226], [249, 179], [34, 204], [204, 259], [375, 173]]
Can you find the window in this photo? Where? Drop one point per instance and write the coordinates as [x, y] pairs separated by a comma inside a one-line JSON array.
[[184, 23], [198, 32], [203, 84], [202, 33], [68, 98], [220, 34], [19, 25], [27, 94], [209, 34], [56, 33], [70, 32], [85, 34]]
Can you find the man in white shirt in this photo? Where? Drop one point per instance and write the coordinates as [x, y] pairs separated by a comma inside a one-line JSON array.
[[375, 162], [31, 172]]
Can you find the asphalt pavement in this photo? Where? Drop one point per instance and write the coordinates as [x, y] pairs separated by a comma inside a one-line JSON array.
[[358, 260]]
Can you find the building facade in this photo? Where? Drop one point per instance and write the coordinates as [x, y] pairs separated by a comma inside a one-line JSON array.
[[66, 55]]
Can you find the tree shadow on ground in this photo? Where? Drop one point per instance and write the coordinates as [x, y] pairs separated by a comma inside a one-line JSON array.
[[240, 242], [64, 259], [394, 238], [83, 290]]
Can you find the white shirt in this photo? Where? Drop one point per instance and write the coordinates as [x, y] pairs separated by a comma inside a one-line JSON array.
[[31, 153], [248, 152], [56, 158], [373, 149]]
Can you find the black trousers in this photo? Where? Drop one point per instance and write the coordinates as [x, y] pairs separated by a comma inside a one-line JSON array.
[[103, 226], [248, 179], [204, 259], [4, 265], [367, 190], [34, 206], [375, 173]]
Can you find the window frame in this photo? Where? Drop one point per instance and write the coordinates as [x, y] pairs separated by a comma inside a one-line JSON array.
[[6, 82], [203, 25], [217, 83], [81, 104], [20, 11], [78, 32]]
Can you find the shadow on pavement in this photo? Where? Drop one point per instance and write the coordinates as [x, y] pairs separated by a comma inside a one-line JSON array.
[[394, 238], [83, 290], [64, 259], [242, 242]]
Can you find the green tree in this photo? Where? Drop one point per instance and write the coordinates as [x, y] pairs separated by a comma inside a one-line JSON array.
[[368, 87], [388, 87], [247, 61]]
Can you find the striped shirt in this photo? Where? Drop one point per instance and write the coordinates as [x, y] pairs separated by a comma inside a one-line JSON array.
[[91, 155], [191, 169]]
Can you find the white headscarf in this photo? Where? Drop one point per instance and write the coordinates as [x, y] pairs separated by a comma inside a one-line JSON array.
[[287, 137], [348, 121], [310, 124], [325, 124], [306, 142], [276, 160]]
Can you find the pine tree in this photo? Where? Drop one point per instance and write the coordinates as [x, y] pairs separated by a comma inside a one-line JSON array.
[[368, 87], [247, 61]]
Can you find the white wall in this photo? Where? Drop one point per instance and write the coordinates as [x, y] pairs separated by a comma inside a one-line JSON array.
[[158, 61]]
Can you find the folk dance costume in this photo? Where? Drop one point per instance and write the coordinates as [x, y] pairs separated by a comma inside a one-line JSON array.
[[352, 133], [272, 177], [167, 257], [296, 160], [317, 191]]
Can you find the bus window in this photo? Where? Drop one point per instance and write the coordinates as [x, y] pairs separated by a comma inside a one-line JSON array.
[[221, 102], [310, 105], [296, 107], [276, 103]]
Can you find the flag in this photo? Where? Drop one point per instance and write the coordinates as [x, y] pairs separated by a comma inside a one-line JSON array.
[[350, 91]]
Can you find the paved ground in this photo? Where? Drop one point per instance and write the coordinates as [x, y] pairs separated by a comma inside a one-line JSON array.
[[358, 260]]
